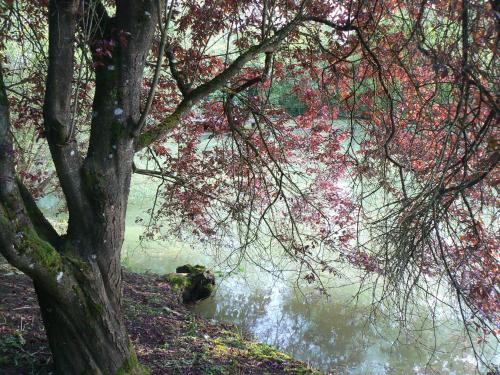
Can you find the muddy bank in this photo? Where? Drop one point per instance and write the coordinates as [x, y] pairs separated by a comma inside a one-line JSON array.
[[168, 338]]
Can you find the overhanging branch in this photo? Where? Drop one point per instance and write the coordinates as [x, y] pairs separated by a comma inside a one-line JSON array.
[[202, 91]]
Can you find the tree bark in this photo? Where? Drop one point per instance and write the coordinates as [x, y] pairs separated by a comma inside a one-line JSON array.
[[77, 276], [87, 334], [86, 329]]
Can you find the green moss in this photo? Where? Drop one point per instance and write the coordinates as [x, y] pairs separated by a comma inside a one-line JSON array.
[[77, 261], [230, 339], [178, 282], [226, 344], [148, 137], [42, 250], [195, 282], [132, 365], [228, 333], [221, 348], [265, 351], [118, 130], [93, 183], [249, 348], [96, 309], [4, 361], [209, 288], [188, 268]]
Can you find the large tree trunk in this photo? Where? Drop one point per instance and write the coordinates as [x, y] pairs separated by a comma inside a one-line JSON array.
[[87, 336], [81, 299], [85, 328], [86, 332]]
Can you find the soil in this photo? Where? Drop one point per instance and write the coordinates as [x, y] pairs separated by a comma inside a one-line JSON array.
[[168, 337]]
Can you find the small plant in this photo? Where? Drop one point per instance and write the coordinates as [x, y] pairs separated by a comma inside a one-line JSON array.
[[192, 327]]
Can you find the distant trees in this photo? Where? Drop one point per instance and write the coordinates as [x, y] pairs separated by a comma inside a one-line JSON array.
[[416, 81]]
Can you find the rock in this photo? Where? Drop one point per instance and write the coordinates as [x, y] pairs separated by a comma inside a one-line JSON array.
[[194, 283], [202, 286], [170, 311]]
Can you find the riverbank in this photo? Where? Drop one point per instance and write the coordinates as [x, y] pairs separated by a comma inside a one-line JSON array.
[[168, 337]]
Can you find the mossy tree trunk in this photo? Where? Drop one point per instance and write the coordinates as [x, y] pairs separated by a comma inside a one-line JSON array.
[[77, 276]]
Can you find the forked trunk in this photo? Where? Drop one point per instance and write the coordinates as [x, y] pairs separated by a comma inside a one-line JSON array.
[[77, 276], [86, 328]]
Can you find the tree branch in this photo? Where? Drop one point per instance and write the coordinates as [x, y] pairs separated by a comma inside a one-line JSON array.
[[180, 79], [202, 91], [42, 226], [57, 106], [19, 242], [333, 25]]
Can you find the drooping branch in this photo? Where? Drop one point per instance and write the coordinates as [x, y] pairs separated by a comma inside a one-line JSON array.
[[232, 92]]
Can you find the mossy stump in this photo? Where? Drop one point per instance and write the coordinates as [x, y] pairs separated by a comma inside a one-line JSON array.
[[193, 283]]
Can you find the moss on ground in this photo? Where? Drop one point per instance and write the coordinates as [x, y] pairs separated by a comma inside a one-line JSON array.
[[231, 343], [132, 365]]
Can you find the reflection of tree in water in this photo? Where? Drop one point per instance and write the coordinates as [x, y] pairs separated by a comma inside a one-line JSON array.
[[338, 335], [333, 335], [303, 330], [326, 335], [236, 306]]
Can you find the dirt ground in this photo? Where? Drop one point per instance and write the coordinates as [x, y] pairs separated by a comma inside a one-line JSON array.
[[168, 338]]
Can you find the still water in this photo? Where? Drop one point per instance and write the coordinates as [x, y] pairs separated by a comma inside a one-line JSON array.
[[340, 333], [333, 334]]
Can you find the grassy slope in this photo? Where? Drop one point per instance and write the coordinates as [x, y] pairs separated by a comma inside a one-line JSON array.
[[169, 339]]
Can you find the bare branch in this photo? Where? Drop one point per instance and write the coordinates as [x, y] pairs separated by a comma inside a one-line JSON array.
[[159, 61]]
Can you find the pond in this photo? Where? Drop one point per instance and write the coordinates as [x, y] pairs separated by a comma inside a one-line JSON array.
[[334, 333], [342, 333]]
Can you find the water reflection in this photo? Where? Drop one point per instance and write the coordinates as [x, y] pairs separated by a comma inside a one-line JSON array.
[[331, 335]]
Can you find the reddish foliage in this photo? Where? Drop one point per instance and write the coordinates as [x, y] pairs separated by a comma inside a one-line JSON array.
[[414, 86]]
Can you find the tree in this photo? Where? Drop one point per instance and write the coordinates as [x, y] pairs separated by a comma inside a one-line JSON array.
[[122, 76]]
